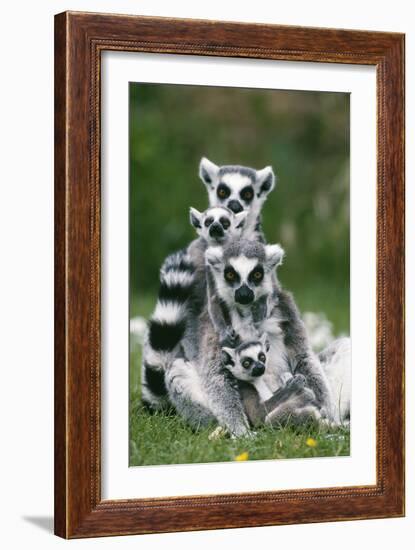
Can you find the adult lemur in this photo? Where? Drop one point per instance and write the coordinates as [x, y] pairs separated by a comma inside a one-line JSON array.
[[182, 294], [243, 275]]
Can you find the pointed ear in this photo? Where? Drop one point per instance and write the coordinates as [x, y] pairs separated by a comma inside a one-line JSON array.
[[264, 341], [214, 257], [274, 254], [240, 219], [195, 218], [228, 356], [265, 181], [208, 172]]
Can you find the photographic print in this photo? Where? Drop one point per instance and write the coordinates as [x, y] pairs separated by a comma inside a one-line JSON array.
[[239, 274]]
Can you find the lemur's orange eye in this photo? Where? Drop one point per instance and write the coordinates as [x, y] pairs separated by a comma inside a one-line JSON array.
[[258, 275], [247, 194], [231, 276], [223, 191]]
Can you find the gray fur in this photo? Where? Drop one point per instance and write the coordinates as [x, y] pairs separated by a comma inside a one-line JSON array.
[[204, 380], [294, 402], [336, 362], [302, 358], [281, 307], [263, 182], [154, 361], [204, 393]]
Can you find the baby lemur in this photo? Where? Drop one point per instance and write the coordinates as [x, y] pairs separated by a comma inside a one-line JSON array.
[[292, 402]]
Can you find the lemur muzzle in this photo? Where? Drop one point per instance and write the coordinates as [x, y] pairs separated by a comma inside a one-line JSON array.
[[244, 295], [216, 230], [258, 369], [235, 206]]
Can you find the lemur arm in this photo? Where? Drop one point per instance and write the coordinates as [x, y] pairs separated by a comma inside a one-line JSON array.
[[253, 407], [219, 387], [260, 310], [304, 361], [219, 314], [292, 402], [225, 401]]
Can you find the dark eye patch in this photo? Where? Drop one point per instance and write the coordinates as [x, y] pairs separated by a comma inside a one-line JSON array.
[[231, 276], [246, 362], [223, 191], [261, 357], [208, 222], [256, 275], [247, 193], [227, 359], [225, 222]]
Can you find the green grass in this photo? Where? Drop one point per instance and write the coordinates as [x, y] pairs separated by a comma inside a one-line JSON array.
[[161, 438]]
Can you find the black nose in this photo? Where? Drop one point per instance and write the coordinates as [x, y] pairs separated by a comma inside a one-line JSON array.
[[244, 295], [235, 206], [258, 369], [216, 230]]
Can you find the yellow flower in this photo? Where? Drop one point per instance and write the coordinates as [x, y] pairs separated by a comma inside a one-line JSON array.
[[242, 456], [311, 442]]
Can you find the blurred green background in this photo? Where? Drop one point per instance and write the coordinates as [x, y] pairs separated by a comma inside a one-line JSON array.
[[303, 135]]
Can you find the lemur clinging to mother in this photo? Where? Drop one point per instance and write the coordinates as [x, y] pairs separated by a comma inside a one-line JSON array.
[[293, 402], [243, 192]]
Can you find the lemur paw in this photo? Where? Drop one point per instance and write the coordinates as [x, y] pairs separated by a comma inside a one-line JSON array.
[[297, 382], [230, 340], [241, 432], [218, 433]]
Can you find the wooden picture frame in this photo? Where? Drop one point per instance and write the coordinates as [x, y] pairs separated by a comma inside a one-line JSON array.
[[79, 40]]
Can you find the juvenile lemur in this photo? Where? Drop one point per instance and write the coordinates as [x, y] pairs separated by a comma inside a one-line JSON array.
[[242, 275], [182, 294], [292, 402]]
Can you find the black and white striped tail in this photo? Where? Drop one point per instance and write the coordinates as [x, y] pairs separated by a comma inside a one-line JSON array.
[[167, 326]]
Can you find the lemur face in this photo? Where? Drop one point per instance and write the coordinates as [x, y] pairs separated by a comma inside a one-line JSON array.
[[217, 225], [247, 362], [239, 188], [243, 270]]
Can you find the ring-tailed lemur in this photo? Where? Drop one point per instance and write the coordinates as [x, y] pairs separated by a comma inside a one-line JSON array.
[[181, 276], [336, 362], [292, 402], [238, 188], [247, 363], [243, 276]]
